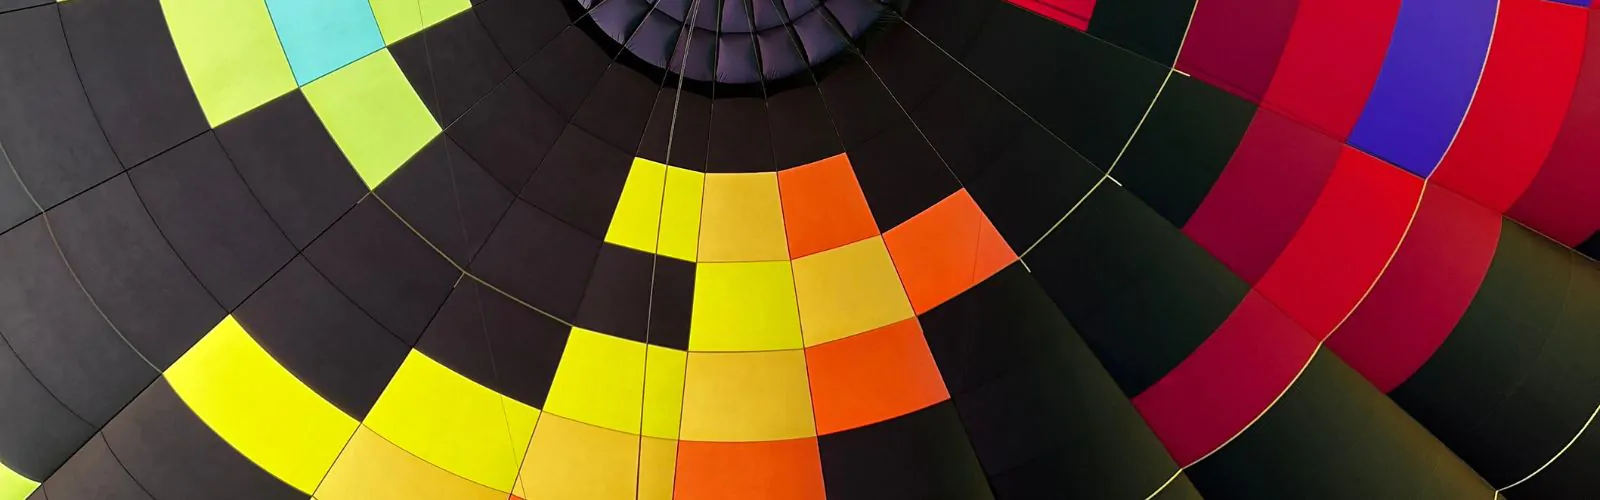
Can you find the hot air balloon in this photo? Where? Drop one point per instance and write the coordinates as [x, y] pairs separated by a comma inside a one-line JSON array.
[[799, 249]]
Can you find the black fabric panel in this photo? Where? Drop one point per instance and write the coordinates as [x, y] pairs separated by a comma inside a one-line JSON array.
[[617, 301], [521, 27], [672, 303], [447, 197], [923, 454], [130, 68], [741, 139], [861, 107], [1181, 488], [48, 129], [566, 70], [131, 272], [539, 259], [10, 5], [1088, 92], [580, 181], [385, 268], [969, 124], [1183, 146], [620, 107], [1141, 293], [1516, 379], [1151, 28], [950, 24], [58, 334], [293, 166], [684, 120], [900, 175], [451, 65], [37, 433], [94, 473], [324, 339], [15, 205], [1030, 185], [162, 444], [1333, 435], [802, 132], [1044, 416], [910, 66], [212, 221], [497, 342], [509, 132], [1591, 246], [1024, 178], [1570, 476]]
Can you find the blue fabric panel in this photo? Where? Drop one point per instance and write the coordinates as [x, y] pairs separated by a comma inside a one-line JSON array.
[[320, 36], [1426, 83]]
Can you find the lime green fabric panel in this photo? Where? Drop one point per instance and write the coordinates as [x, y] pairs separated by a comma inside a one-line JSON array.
[[231, 52], [402, 18], [13, 486], [373, 114]]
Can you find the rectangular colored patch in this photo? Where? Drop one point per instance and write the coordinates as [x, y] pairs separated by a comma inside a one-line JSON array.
[[373, 114], [320, 36], [848, 290], [454, 423], [231, 53], [259, 407]]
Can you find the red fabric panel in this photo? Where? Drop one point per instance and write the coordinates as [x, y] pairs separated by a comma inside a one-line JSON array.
[[1235, 44], [1563, 202], [1344, 244], [1260, 199], [1420, 298], [1227, 382], [1522, 97], [1331, 61], [1074, 13]]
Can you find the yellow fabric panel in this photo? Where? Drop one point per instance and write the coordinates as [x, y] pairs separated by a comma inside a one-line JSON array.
[[744, 306], [848, 290], [373, 114], [257, 406], [580, 461], [663, 391], [658, 462], [747, 396], [452, 422], [15, 487], [680, 214], [638, 215], [231, 53], [372, 467], [600, 381], [398, 19], [743, 219]]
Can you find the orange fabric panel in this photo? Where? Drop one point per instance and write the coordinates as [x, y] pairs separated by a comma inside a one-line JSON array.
[[872, 377], [771, 470], [945, 250], [823, 207]]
